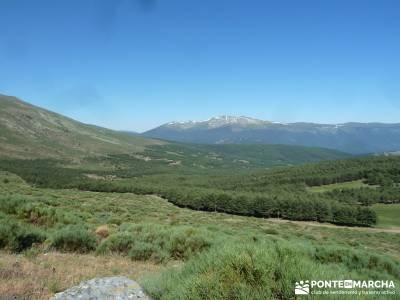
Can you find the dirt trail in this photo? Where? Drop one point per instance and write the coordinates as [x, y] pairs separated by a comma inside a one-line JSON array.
[[316, 224]]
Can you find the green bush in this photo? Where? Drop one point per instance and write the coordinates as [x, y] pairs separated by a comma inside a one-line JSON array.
[[146, 251], [74, 238], [25, 238], [254, 271], [17, 237], [185, 242], [120, 242]]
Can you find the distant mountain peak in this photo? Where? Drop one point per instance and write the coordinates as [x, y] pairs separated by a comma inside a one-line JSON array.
[[219, 121], [235, 119]]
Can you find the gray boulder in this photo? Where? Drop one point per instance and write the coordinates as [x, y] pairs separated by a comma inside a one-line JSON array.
[[107, 288]]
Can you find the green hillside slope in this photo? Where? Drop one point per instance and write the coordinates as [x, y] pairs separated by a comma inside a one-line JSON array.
[[27, 131]]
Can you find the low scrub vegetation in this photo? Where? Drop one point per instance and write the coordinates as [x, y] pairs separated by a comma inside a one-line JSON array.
[[73, 238], [156, 242], [262, 271], [18, 237], [358, 260], [225, 256], [69, 230]]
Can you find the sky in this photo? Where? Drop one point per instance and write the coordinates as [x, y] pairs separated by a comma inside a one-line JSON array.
[[135, 64]]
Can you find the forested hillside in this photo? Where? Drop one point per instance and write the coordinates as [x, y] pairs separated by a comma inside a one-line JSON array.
[[280, 192]]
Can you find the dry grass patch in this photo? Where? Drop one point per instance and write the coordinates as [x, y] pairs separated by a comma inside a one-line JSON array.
[[103, 231], [39, 277]]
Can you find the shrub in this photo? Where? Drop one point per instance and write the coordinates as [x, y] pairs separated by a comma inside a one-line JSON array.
[[17, 237], [186, 242], [254, 271], [120, 242], [74, 238], [25, 238], [146, 251]]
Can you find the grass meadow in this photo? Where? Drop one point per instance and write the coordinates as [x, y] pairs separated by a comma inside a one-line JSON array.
[[355, 184], [388, 214]]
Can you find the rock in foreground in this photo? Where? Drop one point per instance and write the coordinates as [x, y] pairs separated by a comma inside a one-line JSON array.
[[116, 288]]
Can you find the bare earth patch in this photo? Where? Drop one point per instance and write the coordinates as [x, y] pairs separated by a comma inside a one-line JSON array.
[[39, 277]]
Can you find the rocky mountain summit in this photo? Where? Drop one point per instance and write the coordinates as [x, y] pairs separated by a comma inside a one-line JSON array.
[[216, 122]]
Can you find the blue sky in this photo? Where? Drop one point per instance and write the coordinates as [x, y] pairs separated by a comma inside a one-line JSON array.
[[131, 64]]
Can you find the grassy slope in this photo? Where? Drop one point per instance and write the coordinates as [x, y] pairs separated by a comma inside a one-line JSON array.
[[31, 132], [230, 238]]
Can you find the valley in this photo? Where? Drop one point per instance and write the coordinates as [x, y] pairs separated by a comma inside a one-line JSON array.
[[184, 218], [199, 150]]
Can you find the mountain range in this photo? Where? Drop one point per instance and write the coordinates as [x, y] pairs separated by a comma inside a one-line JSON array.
[[31, 132], [355, 138], [28, 131]]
